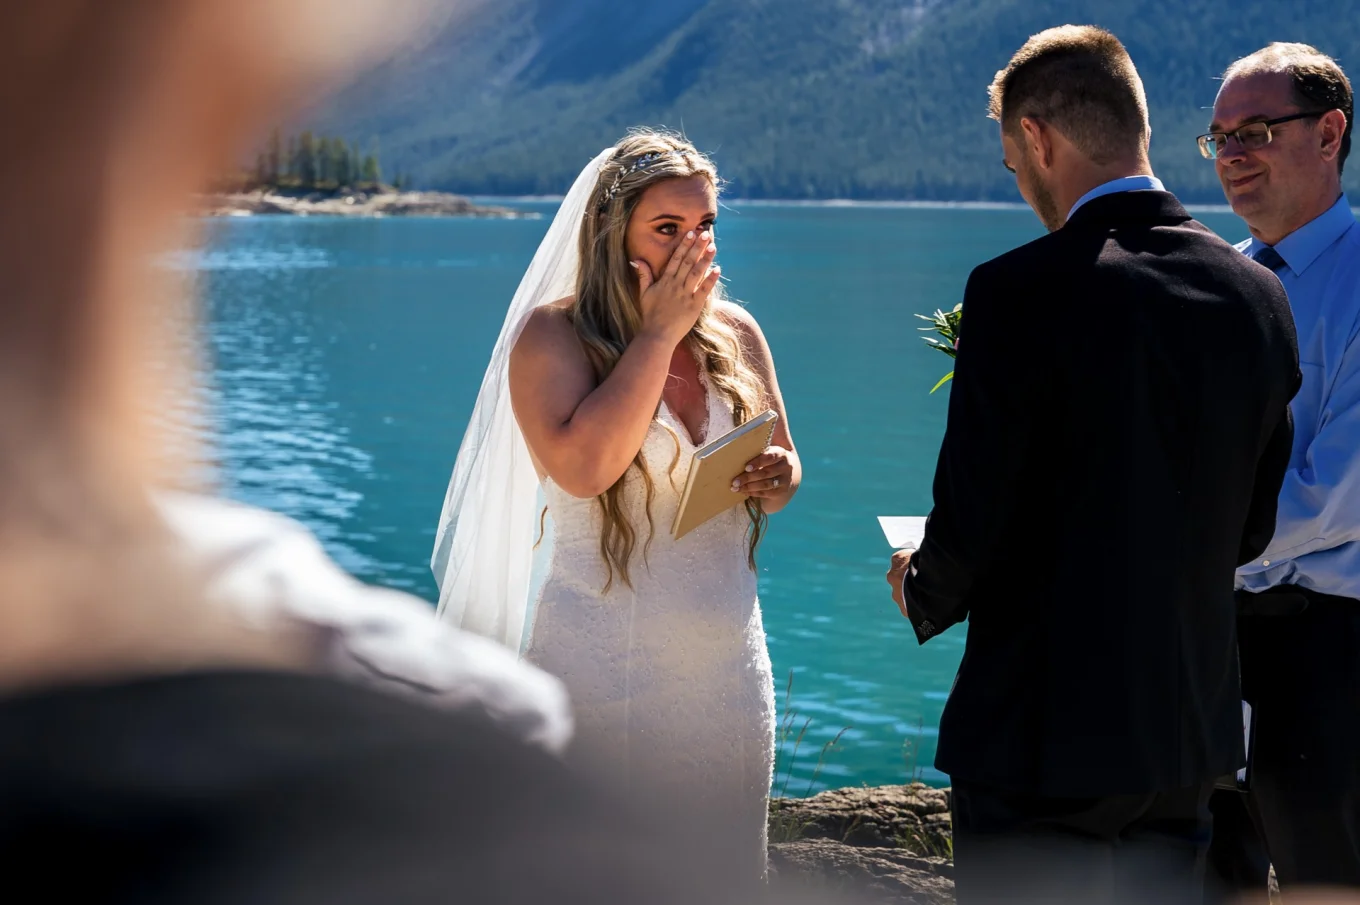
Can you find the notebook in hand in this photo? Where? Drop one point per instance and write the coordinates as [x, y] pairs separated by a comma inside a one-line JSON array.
[[708, 490]]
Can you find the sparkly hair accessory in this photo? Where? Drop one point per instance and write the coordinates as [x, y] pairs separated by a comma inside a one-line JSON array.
[[642, 163]]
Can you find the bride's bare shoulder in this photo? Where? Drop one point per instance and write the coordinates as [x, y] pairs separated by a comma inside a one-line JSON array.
[[741, 320], [548, 330]]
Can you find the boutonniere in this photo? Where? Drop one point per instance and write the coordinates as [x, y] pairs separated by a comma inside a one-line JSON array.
[[946, 325]]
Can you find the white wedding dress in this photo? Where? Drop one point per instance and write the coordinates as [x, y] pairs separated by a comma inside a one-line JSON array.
[[670, 681]]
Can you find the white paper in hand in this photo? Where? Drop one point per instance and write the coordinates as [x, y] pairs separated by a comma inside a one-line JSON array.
[[904, 532]]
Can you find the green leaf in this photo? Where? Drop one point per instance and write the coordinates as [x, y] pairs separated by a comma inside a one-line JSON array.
[[945, 325], [943, 347]]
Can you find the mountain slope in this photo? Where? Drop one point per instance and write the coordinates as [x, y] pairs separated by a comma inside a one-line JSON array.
[[795, 98]]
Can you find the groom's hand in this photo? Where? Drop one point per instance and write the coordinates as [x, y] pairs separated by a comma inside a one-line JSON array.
[[901, 561]]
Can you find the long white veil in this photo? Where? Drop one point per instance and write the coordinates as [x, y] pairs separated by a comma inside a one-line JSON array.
[[484, 550]]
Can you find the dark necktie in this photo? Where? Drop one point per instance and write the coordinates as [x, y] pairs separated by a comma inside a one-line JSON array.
[[1269, 257]]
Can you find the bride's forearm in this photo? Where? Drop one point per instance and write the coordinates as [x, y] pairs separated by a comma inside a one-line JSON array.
[[608, 428]]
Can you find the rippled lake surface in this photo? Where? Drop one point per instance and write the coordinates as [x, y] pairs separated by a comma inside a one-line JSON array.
[[343, 358]]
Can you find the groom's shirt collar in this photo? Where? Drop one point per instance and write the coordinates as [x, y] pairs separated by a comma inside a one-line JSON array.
[[1123, 184]]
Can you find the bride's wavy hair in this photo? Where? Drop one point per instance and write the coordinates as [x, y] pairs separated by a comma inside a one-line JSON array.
[[607, 317]]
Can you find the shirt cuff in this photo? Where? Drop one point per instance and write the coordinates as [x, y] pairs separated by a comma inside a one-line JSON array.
[[925, 629]]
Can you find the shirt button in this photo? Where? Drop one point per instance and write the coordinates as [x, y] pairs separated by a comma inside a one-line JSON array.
[[1265, 562]]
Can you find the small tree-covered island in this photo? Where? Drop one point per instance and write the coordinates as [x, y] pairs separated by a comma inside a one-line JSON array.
[[315, 175]]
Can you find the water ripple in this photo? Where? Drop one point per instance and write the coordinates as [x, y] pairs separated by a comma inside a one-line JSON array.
[[343, 358]]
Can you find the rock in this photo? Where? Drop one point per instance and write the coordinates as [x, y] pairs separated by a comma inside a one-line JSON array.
[[869, 875], [353, 204], [890, 844], [914, 818]]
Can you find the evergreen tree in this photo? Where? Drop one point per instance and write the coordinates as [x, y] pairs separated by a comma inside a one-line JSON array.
[[274, 157], [316, 161], [340, 168], [332, 161], [372, 172], [323, 161], [306, 160]]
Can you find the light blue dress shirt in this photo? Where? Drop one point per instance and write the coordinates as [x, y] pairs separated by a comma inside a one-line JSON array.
[[1317, 530], [1124, 184]]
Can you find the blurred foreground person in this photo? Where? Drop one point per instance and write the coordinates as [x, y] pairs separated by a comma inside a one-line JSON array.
[[166, 732]]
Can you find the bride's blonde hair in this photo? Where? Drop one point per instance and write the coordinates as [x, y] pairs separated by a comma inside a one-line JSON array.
[[606, 315]]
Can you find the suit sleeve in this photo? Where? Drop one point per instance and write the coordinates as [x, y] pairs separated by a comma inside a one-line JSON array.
[[992, 411], [1270, 473]]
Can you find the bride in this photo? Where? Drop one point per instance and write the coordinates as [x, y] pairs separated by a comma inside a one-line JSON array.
[[618, 359]]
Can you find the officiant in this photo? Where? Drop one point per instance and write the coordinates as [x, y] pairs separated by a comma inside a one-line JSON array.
[[1280, 135]]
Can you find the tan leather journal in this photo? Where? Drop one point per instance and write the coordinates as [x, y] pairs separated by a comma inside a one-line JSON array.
[[708, 489]]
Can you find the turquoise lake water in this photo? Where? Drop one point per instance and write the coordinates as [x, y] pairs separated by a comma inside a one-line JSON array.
[[345, 356]]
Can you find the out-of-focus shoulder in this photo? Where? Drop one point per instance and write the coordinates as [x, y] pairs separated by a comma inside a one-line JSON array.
[[272, 571]]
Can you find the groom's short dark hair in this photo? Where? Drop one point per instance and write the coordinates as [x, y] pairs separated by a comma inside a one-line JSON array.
[[1080, 80]]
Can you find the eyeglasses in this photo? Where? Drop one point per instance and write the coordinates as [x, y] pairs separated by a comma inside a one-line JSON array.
[[1252, 136]]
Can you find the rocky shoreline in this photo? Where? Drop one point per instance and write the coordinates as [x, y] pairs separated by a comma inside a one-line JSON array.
[[889, 844], [351, 204]]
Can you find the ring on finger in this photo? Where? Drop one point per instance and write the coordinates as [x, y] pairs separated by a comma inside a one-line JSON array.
[[774, 483]]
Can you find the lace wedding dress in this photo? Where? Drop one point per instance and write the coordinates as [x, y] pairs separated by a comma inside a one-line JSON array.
[[670, 680]]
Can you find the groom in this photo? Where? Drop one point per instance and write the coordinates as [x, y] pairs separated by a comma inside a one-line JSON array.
[[1118, 431]]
